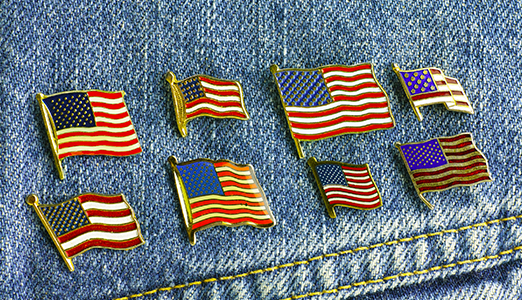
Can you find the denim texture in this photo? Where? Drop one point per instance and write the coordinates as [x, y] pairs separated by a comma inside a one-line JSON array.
[[53, 46]]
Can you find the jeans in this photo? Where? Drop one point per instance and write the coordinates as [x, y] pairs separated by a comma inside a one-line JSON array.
[[468, 246]]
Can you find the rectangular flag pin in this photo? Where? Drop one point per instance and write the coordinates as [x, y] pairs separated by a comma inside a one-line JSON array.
[[221, 192]]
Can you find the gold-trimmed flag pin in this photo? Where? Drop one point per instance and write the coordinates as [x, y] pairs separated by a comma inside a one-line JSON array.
[[442, 163], [345, 185], [219, 192], [332, 100], [89, 221], [89, 122], [428, 86], [203, 95]]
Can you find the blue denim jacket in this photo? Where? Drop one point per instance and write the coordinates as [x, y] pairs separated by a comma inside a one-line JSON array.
[[468, 246]]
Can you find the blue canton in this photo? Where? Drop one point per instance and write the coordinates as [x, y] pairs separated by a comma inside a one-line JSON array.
[[200, 179], [331, 174], [65, 217], [191, 89], [303, 88], [419, 82], [424, 155], [70, 110]]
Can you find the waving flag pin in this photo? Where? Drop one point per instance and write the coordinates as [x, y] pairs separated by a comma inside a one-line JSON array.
[[219, 192], [203, 95], [345, 185], [89, 221]]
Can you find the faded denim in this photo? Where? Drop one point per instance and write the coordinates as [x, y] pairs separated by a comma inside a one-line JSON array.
[[53, 46]]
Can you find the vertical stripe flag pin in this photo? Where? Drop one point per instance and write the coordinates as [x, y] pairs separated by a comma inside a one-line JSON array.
[[332, 100], [88, 123], [220, 192], [89, 221], [441, 163], [202, 95], [428, 86], [345, 185]]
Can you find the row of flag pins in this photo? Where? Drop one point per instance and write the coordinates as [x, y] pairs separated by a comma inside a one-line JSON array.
[[319, 103]]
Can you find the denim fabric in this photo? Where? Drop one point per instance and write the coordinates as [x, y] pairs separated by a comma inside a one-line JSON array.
[[399, 251]]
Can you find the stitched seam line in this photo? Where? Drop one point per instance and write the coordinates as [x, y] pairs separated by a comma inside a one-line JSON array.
[[271, 269], [407, 274]]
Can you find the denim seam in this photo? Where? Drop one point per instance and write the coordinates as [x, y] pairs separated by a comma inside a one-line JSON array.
[[406, 274], [389, 243]]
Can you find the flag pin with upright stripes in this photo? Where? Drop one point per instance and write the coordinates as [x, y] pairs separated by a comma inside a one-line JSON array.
[[441, 163], [219, 192], [428, 86], [332, 100], [345, 185], [89, 221], [203, 95], [89, 122]]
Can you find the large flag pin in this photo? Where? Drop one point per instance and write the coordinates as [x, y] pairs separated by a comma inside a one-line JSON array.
[[88, 123], [345, 185], [441, 163], [430, 86], [202, 95], [332, 100], [89, 221], [220, 192]]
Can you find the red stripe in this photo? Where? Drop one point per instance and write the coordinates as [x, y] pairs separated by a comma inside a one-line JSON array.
[[347, 168], [421, 174], [457, 146], [215, 113], [334, 110], [221, 93], [99, 198], [108, 213], [435, 71], [108, 105], [102, 152], [458, 161], [458, 93], [343, 131], [218, 82], [98, 243], [332, 189], [231, 165], [462, 103], [225, 202], [98, 143], [440, 83], [356, 204], [108, 95], [229, 212], [232, 221], [111, 125], [454, 183], [236, 193], [347, 68], [348, 79], [348, 198], [358, 97], [432, 180], [462, 153], [430, 95], [96, 227], [214, 102], [240, 185], [353, 88], [454, 138], [451, 80], [339, 120], [227, 173], [97, 133], [111, 116]]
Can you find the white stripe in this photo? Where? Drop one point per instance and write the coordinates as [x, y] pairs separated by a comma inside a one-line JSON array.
[[342, 125], [113, 236], [94, 129], [350, 189], [355, 172], [231, 216], [111, 220], [112, 121], [354, 201], [334, 105], [222, 98], [438, 77], [229, 169], [238, 189], [231, 86], [106, 100], [224, 206], [213, 107], [225, 198], [358, 92], [104, 206], [357, 178], [97, 138], [338, 115], [346, 74], [352, 83], [447, 99], [230, 178], [110, 110], [97, 148]]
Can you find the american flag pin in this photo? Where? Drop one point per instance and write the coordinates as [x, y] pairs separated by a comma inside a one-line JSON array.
[[89, 221], [219, 192], [89, 122], [442, 163], [345, 185], [332, 100], [428, 86], [203, 95]]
